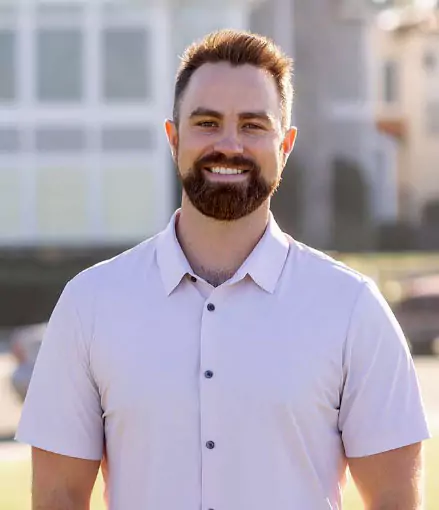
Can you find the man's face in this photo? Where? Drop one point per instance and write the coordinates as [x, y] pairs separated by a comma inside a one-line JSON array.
[[229, 146]]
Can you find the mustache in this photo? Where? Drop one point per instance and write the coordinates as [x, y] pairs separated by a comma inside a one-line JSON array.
[[220, 159]]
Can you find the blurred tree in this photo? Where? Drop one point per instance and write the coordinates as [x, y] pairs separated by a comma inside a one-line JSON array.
[[351, 229], [287, 202], [397, 236], [429, 231]]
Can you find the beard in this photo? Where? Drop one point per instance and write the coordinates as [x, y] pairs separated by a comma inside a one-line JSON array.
[[227, 201]]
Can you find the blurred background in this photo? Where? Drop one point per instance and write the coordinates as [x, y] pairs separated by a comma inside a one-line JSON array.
[[85, 171]]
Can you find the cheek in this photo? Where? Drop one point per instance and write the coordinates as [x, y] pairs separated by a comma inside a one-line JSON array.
[[271, 161], [190, 149]]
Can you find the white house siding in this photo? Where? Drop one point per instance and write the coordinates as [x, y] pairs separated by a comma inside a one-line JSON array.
[[83, 154]]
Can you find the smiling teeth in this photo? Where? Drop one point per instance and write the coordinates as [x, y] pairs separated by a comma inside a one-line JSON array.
[[226, 171]]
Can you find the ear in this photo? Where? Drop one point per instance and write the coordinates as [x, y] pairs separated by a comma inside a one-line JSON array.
[[288, 143], [172, 135]]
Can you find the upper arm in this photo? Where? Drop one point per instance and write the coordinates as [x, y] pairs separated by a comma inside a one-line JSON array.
[[392, 478], [381, 406], [62, 412], [62, 482]]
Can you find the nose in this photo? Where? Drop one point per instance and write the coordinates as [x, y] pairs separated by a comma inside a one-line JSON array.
[[229, 144]]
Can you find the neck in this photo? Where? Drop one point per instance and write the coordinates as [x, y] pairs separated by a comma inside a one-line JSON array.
[[216, 249]]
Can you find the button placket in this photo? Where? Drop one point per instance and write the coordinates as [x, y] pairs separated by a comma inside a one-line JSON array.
[[208, 405]]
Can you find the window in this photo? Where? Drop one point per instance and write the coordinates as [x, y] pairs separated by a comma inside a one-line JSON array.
[[59, 65], [7, 65], [125, 64], [59, 139], [9, 140], [347, 76], [432, 117], [390, 81], [127, 139]]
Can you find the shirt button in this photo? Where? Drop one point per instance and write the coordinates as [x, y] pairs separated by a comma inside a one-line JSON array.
[[193, 279], [211, 307], [208, 374], [210, 445]]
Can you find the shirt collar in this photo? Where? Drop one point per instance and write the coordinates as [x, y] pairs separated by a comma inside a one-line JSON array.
[[266, 262], [172, 262], [264, 265]]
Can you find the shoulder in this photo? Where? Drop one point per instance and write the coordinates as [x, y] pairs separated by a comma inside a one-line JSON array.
[[324, 272], [109, 274]]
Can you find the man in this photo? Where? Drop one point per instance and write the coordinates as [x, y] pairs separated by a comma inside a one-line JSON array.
[[222, 365]]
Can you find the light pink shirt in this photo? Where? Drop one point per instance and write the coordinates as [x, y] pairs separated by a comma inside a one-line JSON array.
[[247, 404]]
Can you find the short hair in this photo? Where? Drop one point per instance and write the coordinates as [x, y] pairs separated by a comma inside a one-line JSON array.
[[238, 48]]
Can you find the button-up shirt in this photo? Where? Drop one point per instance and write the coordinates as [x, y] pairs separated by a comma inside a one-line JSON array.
[[250, 395]]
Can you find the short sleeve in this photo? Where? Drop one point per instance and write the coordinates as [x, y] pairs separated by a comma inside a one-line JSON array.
[[381, 406], [62, 411]]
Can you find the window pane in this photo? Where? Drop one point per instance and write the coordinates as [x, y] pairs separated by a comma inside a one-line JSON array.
[[347, 79], [127, 139], [9, 140], [125, 64], [7, 65], [59, 61], [55, 139]]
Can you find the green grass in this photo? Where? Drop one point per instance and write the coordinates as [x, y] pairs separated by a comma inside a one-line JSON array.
[[15, 484], [389, 269]]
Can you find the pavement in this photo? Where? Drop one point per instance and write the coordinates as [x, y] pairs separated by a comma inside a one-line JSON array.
[[10, 406]]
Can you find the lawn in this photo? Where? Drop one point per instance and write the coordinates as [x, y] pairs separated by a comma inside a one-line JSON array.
[[389, 269], [15, 481]]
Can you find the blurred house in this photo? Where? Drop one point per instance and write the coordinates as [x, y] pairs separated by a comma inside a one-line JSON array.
[[85, 169], [343, 166], [407, 42]]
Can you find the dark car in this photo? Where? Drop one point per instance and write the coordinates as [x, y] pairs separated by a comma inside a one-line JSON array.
[[418, 313], [25, 344]]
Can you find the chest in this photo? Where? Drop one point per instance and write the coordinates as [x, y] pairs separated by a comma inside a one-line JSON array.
[[263, 352]]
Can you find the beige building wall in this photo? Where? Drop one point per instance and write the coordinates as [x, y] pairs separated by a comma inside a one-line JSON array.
[[411, 114]]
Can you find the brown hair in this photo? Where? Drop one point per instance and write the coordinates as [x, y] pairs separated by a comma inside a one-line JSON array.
[[237, 48]]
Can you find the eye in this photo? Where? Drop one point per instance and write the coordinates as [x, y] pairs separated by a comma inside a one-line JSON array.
[[207, 123], [252, 126]]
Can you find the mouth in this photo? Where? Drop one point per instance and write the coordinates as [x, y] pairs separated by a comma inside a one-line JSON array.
[[227, 171]]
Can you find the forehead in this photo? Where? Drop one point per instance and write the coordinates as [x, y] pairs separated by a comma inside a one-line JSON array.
[[231, 89]]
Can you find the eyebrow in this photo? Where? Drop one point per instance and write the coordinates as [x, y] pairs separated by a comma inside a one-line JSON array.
[[207, 112]]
